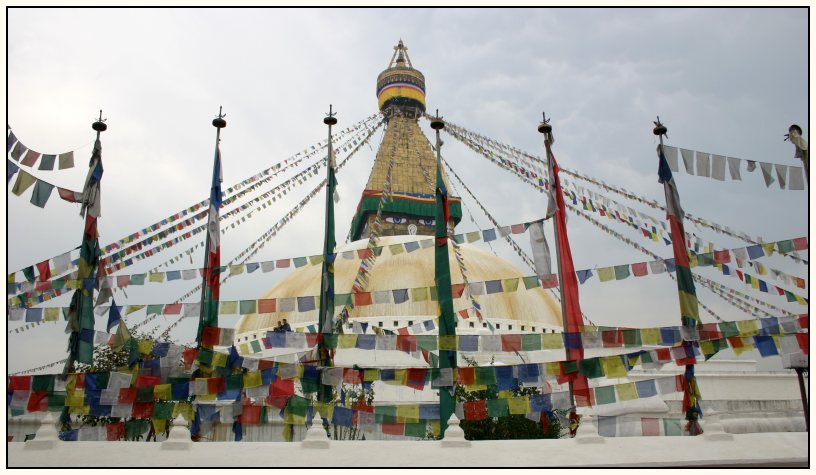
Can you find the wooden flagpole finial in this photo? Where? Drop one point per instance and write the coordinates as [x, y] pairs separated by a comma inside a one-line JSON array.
[[100, 125], [219, 122], [330, 119], [660, 130]]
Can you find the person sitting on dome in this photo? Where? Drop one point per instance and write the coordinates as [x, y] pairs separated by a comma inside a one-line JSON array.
[[279, 327], [285, 327]]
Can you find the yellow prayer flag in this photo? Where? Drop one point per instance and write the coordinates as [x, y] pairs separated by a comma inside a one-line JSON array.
[[707, 347], [75, 398], [371, 374], [472, 236], [551, 341], [346, 340], [650, 336], [252, 379], [510, 285], [626, 391], [519, 405], [80, 411], [505, 394], [326, 409], [613, 367], [315, 260], [447, 342], [410, 412], [475, 387], [236, 269], [70, 382], [159, 425], [185, 409], [435, 428], [553, 368], [400, 376], [396, 249], [769, 248], [244, 349], [134, 308], [606, 273], [219, 360], [747, 327], [419, 295], [145, 346], [692, 262], [800, 299], [228, 307], [155, 276], [51, 314], [162, 392], [293, 419]]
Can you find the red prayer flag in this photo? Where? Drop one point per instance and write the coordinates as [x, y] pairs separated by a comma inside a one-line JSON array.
[[804, 321], [722, 257], [416, 378], [802, 339], [362, 298], [466, 376], [115, 431], [517, 228], [172, 309], [475, 410], [282, 387], [282, 263], [352, 376], [216, 385], [393, 429], [45, 271], [127, 395], [80, 381], [267, 305], [210, 336], [406, 343], [142, 410], [457, 290], [37, 401], [143, 381], [800, 244], [250, 415], [19, 383], [511, 343], [651, 426], [188, 356], [639, 269], [550, 281]]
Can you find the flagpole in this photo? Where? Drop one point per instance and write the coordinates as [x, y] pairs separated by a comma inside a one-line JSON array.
[[325, 313], [447, 321], [206, 312], [545, 128], [89, 232], [795, 136], [685, 285]]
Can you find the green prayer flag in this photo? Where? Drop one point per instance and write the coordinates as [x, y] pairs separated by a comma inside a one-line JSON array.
[[42, 382], [426, 342], [163, 410], [605, 394], [155, 309], [672, 427], [485, 375], [531, 282], [591, 368], [531, 342], [621, 271], [785, 246], [416, 429], [632, 338], [497, 408], [248, 306], [299, 261]]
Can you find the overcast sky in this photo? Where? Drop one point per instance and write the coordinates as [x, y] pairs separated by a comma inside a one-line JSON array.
[[724, 81]]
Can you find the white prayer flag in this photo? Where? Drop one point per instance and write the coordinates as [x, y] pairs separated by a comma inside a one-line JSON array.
[[781, 174], [766, 173], [796, 180], [688, 160], [718, 167], [734, 168], [703, 164], [541, 251], [671, 157]]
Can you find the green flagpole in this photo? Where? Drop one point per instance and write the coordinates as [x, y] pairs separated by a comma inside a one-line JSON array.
[[326, 311], [208, 314], [447, 320], [80, 314]]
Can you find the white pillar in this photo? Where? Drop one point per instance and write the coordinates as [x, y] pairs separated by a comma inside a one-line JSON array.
[[47, 437], [316, 436], [180, 437], [713, 428], [454, 435], [588, 431]]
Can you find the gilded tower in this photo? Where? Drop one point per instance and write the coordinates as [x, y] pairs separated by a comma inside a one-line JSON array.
[[411, 209]]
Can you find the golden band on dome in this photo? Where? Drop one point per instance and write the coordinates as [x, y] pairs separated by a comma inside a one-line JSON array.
[[407, 91]]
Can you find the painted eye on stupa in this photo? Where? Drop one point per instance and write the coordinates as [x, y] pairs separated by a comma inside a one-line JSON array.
[[395, 220], [426, 222]]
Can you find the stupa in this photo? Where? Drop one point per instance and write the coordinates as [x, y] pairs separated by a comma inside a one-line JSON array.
[[409, 216]]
